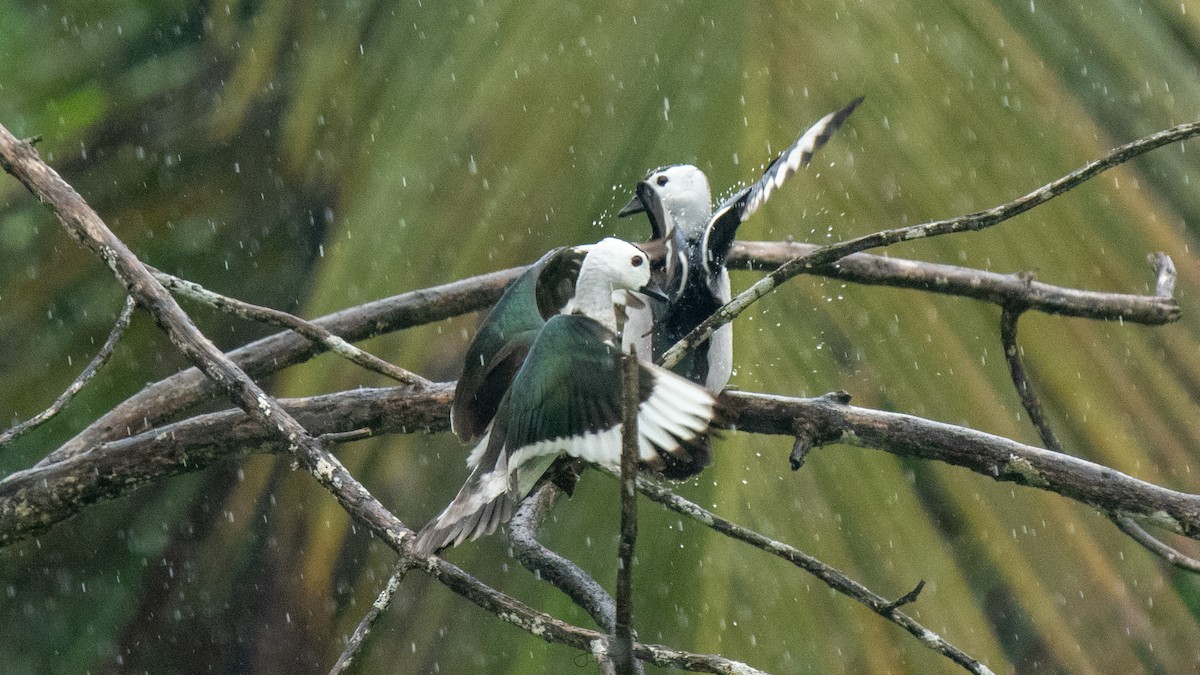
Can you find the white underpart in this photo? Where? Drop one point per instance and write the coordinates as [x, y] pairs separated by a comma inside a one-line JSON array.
[[676, 409], [636, 332], [720, 345]]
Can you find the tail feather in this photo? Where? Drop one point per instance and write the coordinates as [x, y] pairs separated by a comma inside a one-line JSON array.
[[482, 505]]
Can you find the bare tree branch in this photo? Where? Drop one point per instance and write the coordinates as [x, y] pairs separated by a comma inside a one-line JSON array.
[[1155, 545], [1016, 369], [94, 366], [996, 457], [964, 282], [622, 651], [35, 499], [828, 575], [826, 255], [174, 395], [275, 317]]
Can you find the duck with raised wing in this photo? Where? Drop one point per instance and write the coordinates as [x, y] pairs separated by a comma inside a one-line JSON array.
[[565, 399], [678, 202]]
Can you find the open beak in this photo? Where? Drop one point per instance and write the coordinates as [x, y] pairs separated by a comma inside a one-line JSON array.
[[646, 201], [652, 290], [635, 205]]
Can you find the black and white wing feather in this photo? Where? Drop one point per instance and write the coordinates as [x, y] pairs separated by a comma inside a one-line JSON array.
[[737, 209]]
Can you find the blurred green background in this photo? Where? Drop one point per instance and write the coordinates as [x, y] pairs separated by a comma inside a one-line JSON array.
[[311, 156]]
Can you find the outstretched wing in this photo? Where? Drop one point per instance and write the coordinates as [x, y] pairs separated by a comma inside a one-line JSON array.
[[737, 209], [567, 399], [505, 336]]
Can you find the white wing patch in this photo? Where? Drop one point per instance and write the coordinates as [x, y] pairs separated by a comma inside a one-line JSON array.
[[478, 450], [676, 410]]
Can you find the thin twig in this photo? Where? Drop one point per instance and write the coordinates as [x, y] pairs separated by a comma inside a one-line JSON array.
[[275, 317], [1016, 369], [368, 621], [828, 575], [97, 362], [1033, 406], [1155, 545], [826, 255], [621, 650]]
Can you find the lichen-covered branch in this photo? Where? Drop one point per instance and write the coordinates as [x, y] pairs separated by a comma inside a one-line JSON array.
[[37, 498], [553, 630], [552, 567], [275, 317]]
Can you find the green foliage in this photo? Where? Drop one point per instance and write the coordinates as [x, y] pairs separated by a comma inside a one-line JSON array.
[[312, 156]]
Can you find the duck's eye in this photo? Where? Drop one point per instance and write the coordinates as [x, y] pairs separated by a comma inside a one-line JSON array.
[[661, 180], [636, 261]]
